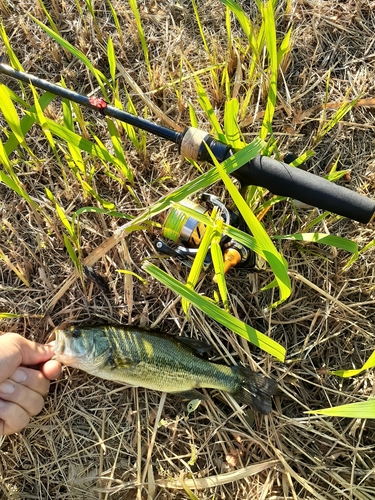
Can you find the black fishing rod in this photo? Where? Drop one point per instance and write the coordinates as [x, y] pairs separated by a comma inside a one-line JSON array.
[[278, 177]]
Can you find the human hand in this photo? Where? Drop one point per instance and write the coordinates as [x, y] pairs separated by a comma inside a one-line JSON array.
[[22, 388]]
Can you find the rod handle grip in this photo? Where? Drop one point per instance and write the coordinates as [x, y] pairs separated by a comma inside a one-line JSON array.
[[284, 180]]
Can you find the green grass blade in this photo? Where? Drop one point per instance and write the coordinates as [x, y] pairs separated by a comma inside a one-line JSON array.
[[72, 254], [7, 261], [206, 105], [354, 257], [270, 34], [363, 409], [12, 180], [10, 52], [285, 47], [324, 239], [71, 137], [11, 116], [231, 128], [44, 125], [98, 210], [269, 252], [116, 21], [370, 363], [198, 263], [111, 61], [203, 181], [75, 152], [129, 129], [216, 313], [337, 117], [8, 181], [120, 155], [60, 212], [302, 158], [48, 16], [131, 273], [141, 34], [241, 17], [193, 116], [200, 27], [218, 263], [101, 79], [5, 315], [90, 191]]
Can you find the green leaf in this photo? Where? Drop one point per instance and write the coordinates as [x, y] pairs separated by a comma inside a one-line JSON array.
[[11, 180], [285, 47], [131, 273], [198, 262], [370, 363], [10, 52], [206, 105], [10, 115], [10, 315], [266, 248], [363, 409], [27, 122], [141, 34], [270, 33], [71, 252], [98, 210], [218, 263], [324, 239], [240, 15], [76, 53], [111, 60], [231, 128], [337, 117], [120, 155], [203, 181], [213, 311]]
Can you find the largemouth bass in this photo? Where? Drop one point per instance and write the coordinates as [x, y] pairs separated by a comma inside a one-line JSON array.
[[145, 358]]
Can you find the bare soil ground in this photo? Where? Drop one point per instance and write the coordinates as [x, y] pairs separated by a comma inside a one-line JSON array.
[[97, 440]]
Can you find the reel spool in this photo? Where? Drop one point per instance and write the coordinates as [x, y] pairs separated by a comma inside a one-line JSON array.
[[186, 233]]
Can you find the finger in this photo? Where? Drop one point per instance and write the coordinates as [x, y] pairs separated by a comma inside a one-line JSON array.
[[13, 418], [32, 402], [15, 351], [51, 369], [33, 379]]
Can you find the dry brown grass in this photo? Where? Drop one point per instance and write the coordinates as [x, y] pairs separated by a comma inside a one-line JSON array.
[[97, 440]]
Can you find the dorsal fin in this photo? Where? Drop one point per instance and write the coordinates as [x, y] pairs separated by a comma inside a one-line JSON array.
[[198, 346]]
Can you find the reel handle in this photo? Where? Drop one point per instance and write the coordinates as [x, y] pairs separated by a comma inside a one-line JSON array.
[[283, 180]]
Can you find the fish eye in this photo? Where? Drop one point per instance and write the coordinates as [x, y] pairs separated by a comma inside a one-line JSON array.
[[76, 333]]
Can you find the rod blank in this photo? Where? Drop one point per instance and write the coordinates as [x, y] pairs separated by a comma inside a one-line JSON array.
[[109, 110]]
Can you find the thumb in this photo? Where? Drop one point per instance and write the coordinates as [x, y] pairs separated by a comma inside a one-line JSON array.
[[16, 351], [33, 353]]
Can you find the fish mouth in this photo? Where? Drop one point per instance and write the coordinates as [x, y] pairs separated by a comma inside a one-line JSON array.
[[59, 343], [63, 350]]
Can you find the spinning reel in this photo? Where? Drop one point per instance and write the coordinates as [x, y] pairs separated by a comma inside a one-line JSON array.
[[186, 233]]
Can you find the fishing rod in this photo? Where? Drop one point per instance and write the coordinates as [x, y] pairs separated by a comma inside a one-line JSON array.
[[278, 177]]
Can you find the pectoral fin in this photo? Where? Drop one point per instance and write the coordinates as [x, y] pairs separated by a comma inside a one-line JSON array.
[[118, 362]]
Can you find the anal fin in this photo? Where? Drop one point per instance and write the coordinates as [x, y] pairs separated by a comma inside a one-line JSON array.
[[190, 395]]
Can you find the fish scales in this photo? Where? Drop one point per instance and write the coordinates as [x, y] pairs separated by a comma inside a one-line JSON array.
[[165, 363], [157, 361]]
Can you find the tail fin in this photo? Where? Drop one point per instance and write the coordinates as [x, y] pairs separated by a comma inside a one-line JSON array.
[[255, 390]]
